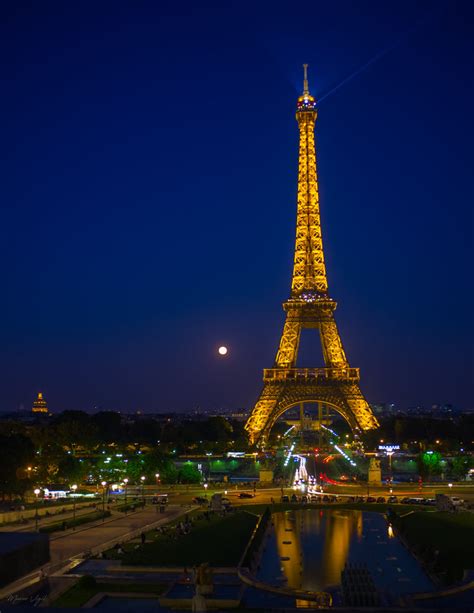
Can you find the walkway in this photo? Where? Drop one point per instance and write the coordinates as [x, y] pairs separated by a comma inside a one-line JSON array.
[[67, 547]]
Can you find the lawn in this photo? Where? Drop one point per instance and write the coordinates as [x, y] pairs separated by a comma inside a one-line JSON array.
[[449, 534], [79, 594], [218, 540]]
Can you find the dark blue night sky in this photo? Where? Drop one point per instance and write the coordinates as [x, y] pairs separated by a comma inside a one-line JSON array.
[[149, 194]]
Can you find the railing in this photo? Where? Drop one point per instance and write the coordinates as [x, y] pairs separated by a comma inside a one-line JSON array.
[[310, 374]]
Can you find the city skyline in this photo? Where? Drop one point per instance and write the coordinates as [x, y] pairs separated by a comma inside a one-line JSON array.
[[151, 214]]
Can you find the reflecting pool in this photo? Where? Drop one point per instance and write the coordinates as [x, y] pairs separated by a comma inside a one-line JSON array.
[[307, 549]]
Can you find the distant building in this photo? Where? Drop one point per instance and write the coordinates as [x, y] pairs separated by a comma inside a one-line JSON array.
[[383, 409], [39, 405]]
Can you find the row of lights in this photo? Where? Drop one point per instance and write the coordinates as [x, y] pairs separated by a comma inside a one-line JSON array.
[[290, 451]]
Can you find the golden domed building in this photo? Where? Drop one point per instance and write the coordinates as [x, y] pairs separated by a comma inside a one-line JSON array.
[[39, 405]]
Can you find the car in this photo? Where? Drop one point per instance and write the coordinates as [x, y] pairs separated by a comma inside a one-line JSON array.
[[457, 502], [392, 499], [294, 498], [380, 499], [285, 499], [160, 499], [315, 498], [405, 500], [304, 498], [246, 495], [371, 499], [200, 500]]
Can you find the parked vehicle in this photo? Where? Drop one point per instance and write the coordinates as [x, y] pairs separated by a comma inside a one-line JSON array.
[[371, 499], [392, 499], [285, 499], [380, 499], [200, 500], [246, 495], [160, 499]]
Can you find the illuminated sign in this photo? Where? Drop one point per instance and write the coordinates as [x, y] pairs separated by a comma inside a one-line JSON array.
[[389, 448]]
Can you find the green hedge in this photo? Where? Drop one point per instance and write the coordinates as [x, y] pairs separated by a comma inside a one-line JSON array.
[[130, 506], [70, 523]]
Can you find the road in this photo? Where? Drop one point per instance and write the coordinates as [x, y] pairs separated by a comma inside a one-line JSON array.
[[264, 495]]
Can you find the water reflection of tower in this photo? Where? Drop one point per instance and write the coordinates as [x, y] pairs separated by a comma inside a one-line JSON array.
[[317, 545], [339, 527], [287, 534]]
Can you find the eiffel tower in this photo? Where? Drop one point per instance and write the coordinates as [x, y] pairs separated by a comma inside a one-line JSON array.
[[309, 306]]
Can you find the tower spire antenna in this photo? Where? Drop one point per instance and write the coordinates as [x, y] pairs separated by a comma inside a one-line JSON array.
[[305, 81]]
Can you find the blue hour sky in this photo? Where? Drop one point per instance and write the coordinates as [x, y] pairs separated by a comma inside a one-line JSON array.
[[148, 189]]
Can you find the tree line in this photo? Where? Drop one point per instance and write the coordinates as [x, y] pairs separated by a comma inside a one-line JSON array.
[[75, 446]]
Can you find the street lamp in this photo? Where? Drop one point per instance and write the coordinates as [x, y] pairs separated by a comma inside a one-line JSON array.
[[126, 483], [74, 488], [142, 479], [450, 485], [157, 477], [37, 493], [205, 488], [104, 483]]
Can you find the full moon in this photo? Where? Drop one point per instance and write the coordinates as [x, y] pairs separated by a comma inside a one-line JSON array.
[[222, 350]]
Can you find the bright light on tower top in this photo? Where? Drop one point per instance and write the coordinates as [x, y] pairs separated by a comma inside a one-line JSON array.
[[306, 102]]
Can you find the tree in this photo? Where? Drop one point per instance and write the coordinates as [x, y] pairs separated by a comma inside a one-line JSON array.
[[109, 427], [429, 463], [218, 429], [16, 452], [188, 473], [460, 465], [71, 470], [76, 429]]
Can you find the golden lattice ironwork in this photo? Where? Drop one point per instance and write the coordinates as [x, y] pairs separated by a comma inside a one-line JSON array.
[[309, 306]]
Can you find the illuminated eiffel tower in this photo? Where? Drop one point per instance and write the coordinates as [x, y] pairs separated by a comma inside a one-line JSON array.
[[309, 306]]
